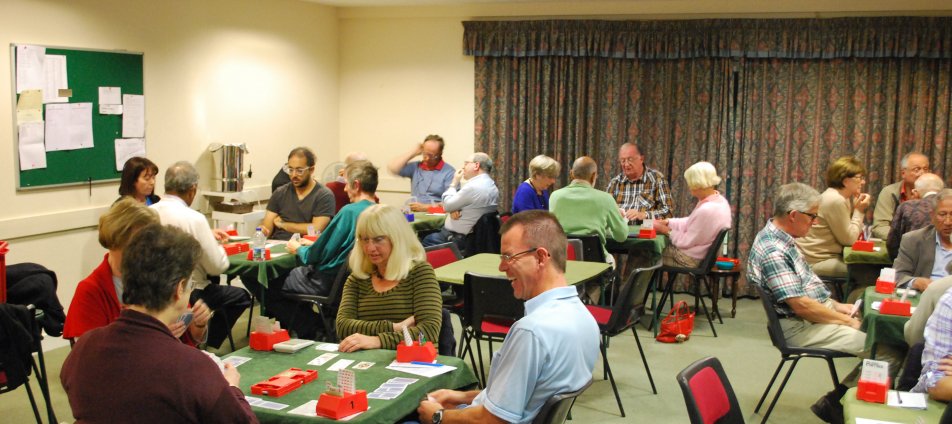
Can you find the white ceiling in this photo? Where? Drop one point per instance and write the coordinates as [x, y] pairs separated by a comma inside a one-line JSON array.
[[363, 3]]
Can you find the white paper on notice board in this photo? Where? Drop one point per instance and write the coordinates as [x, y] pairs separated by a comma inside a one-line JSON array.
[[127, 148], [55, 67], [110, 95], [32, 153], [133, 116], [69, 126], [31, 74]]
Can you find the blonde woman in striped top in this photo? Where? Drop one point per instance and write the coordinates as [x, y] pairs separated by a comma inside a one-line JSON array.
[[391, 285]]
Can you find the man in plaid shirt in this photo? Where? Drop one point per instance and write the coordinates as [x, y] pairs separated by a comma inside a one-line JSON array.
[[936, 377], [639, 190], [809, 317]]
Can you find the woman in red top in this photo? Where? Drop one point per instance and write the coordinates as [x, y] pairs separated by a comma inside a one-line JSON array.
[[96, 302]]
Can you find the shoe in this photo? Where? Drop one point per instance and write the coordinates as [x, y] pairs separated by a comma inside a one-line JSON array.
[[828, 407]]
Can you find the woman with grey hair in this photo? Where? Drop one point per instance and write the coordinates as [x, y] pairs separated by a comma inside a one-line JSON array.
[[691, 237], [534, 192]]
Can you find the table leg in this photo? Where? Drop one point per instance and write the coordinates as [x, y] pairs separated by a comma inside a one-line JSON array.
[[733, 297], [715, 293]]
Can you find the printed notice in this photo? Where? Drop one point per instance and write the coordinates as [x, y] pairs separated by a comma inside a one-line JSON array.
[[30, 72], [69, 126], [127, 148], [133, 116], [30, 106], [32, 153], [55, 70], [110, 95]]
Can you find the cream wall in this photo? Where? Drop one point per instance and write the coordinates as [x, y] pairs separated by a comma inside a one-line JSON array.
[[260, 72]]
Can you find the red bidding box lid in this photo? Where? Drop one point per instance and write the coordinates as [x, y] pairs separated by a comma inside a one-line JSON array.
[[895, 307], [885, 287], [284, 382], [863, 246], [415, 352], [647, 234]]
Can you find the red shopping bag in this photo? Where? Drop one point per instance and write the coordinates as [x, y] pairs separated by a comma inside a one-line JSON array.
[[677, 326]]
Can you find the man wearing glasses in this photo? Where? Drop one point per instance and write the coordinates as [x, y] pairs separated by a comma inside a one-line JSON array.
[[299, 204], [429, 177], [808, 315], [913, 165], [551, 350], [924, 253], [639, 190]]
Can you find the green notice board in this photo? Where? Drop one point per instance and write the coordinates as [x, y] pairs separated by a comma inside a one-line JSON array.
[[86, 71]]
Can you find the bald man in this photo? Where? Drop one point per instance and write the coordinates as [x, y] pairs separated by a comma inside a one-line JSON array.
[[916, 213], [913, 165]]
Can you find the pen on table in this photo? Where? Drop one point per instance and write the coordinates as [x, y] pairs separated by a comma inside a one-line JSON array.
[[430, 364], [898, 397]]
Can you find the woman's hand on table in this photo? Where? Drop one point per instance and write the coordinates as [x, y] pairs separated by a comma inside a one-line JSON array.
[[357, 341], [409, 322]]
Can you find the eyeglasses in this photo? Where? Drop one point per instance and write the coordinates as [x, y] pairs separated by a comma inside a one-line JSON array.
[[512, 258], [942, 216], [429, 156], [918, 169], [296, 171], [813, 216], [377, 241], [625, 161], [858, 178]]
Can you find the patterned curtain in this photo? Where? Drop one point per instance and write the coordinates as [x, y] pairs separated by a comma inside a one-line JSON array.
[[766, 101]]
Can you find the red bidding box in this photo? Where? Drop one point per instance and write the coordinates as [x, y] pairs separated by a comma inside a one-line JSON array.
[[872, 391], [647, 234], [885, 287], [415, 352], [236, 248], [863, 246], [266, 341], [267, 254], [337, 407], [895, 307], [435, 209], [284, 383]]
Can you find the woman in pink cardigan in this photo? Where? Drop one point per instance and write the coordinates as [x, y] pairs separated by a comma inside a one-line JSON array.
[[691, 237]]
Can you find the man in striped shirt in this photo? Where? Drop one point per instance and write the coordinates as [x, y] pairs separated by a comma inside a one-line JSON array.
[[639, 190]]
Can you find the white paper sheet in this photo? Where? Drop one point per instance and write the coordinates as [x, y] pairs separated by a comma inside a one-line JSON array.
[[55, 69], [30, 106], [30, 72], [69, 126], [110, 109], [309, 409], [909, 400], [421, 370], [110, 95], [133, 116], [127, 148], [32, 152]]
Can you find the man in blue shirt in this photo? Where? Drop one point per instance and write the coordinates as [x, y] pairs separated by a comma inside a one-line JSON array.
[[549, 351], [430, 177]]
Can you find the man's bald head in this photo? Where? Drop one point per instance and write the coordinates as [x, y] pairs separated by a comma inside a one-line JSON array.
[[929, 183], [584, 168]]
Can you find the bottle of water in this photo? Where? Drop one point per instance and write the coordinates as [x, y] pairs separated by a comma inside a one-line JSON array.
[[258, 245]]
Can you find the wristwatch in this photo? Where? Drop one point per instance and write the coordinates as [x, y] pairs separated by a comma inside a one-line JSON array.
[[438, 417]]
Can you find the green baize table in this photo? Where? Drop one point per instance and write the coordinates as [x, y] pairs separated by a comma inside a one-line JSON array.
[[633, 243], [280, 264], [423, 221], [854, 408], [856, 260], [879, 328], [264, 365]]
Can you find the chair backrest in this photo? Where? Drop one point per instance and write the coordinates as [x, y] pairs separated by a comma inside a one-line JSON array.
[[574, 250], [711, 256], [489, 298], [592, 249], [337, 289], [19, 337], [485, 237], [625, 312], [442, 254], [773, 320], [447, 342], [557, 407], [708, 394]]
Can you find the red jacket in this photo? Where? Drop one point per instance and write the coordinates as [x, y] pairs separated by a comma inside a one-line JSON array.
[[95, 304]]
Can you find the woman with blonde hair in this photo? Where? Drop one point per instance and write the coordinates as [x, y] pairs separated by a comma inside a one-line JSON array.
[[391, 285], [692, 236], [534, 192]]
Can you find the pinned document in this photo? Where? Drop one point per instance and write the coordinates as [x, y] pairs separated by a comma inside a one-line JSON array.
[[133, 116], [69, 126], [32, 152], [127, 148]]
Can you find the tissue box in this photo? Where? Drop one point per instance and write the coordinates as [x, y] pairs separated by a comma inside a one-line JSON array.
[[872, 391], [337, 407], [885, 287], [863, 246], [895, 307], [415, 352], [266, 341]]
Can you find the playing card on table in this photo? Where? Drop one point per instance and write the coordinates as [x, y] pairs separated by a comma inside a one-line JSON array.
[[363, 365], [384, 396], [235, 361], [321, 360], [327, 347], [341, 364]]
